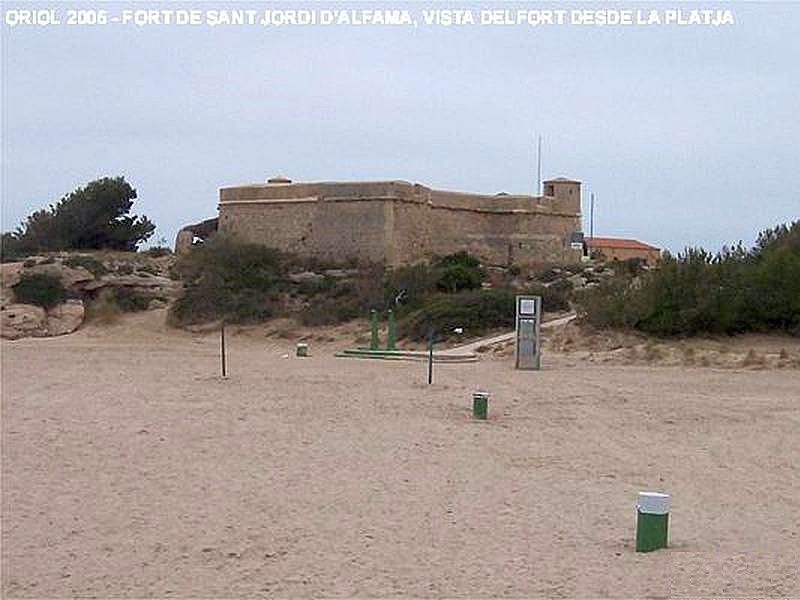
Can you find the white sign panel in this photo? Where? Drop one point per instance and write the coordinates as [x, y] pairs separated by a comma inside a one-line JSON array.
[[527, 306]]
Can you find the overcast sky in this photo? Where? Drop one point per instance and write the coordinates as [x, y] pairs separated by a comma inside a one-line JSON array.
[[688, 135]]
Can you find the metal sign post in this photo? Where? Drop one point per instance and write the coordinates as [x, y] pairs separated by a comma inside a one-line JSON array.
[[528, 321]]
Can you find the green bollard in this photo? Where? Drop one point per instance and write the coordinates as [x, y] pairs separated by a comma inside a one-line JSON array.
[[652, 521], [391, 335], [373, 324], [480, 405]]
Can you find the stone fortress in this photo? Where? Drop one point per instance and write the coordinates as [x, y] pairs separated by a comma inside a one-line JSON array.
[[398, 223]]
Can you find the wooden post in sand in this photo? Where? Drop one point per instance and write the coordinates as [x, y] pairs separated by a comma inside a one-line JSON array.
[[652, 521], [431, 335], [222, 349]]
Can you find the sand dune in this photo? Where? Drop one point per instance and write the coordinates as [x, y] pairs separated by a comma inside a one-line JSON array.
[[130, 469]]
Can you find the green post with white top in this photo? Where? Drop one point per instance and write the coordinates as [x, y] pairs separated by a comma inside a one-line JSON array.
[[652, 521], [391, 334]]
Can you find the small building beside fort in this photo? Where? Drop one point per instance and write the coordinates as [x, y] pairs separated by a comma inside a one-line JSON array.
[[398, 223], [623, 249]]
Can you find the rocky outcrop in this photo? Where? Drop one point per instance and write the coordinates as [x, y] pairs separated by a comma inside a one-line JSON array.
[[71, 277], [22, 320], [138, 281], [9, 277], [153, 283], [64, 318], [26, 320], [573, 277]]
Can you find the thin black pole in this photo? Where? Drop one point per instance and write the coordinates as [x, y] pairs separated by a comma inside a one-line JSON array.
[[222, 348], [430, 357]]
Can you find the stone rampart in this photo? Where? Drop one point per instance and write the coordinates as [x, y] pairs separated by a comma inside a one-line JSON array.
[[397, 222]]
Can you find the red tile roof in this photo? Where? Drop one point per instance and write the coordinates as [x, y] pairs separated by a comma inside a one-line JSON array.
[[604, 242]]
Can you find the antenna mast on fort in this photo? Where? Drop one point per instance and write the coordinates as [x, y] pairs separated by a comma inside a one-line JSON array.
[[539, 168]]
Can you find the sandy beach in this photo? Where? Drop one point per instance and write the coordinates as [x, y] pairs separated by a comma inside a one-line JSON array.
[[130, 469]]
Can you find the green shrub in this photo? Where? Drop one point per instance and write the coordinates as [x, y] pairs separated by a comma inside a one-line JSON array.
[[696, 292], [476, 311], [157, 251], [546, 274], [90, 263], [630, 267], [555, 297], [457, 278], [248, 283], [459, 271], [406, 287], [461, 258], [229, 280], [330, 311], [14, 247], [40, 289], [314, 287], [332, 301], [131, 299], [609, 305]]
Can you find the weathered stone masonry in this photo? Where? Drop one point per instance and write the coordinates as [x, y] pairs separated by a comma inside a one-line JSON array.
[[396, 222]]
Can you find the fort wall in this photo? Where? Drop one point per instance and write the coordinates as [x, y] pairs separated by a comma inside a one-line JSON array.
[[338, 231], [396, 222]]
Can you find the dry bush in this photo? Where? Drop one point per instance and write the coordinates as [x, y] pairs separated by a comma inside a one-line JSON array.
[[653, 352], [103, 309], [283, 328], [753, 359]]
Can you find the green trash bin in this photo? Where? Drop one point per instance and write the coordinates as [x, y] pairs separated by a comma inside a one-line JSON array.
[[652, 521], [480, 405]]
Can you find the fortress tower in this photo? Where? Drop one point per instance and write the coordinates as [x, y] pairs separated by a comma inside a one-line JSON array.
[[565, 191]]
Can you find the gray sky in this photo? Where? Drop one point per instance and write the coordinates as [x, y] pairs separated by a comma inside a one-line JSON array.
[[688, 135]]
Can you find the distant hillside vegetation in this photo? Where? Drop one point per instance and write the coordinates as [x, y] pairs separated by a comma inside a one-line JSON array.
[[696, 292], [249, 283]]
